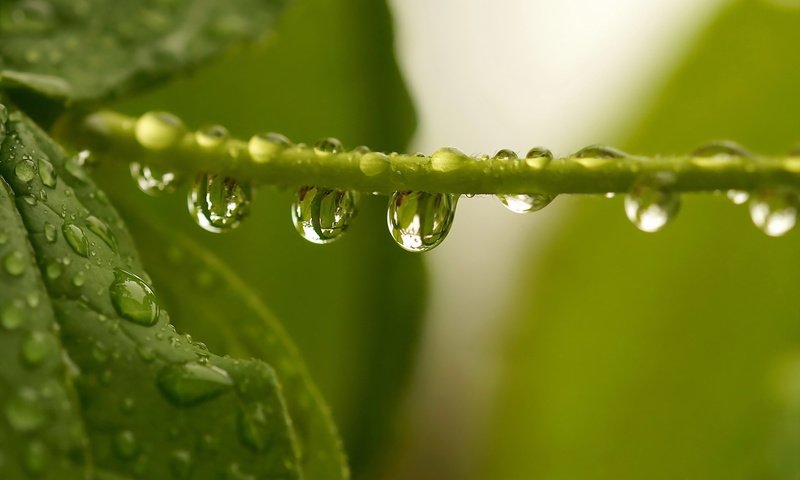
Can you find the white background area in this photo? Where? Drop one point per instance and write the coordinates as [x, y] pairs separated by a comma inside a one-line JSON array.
[[515, 74]]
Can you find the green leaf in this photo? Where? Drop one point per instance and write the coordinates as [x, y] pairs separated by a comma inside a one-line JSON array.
[[94, 49], [676, 354], [203, 292], [154, 404], [354, 307]]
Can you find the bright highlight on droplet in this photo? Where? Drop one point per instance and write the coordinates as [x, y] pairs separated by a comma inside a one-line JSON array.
[[774, 212], [420, 221], [651, 209]]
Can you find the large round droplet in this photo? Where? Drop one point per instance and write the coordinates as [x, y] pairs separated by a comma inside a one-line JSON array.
[[14, 263], [651, 209], [719, 152], [322, 215], [76, 239], [191, 383], [328, 146], [447, 159], [159, 130], [420, 221], [25, 170], [774, 212], [218, 203], [23, 411], [133, 298], [151, 180], [263, 146], [102, 230], [538, 157]]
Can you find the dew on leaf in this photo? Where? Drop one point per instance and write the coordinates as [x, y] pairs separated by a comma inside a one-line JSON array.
[[191, 383], [76, 239], [323, 215], [25, 170], [102, 230], [218, 203], [47, 173], [420, 221], [538, 157], [133, 298], [36, 346], [14, 263], [24, 412], [12, 316], [447, 159], [373, 163]]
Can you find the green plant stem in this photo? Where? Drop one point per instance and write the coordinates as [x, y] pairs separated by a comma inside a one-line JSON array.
[[113, 135]]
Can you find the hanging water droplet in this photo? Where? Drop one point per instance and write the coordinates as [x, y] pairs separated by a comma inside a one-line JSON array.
[[447, 159], [738, 197], [521, 203], [159, 130], [322, 215], [774, 212], [24, 412], [25, 170], [14, 263], [420, 221], [219, 203], [125, 444], [328, 146], [47, 173], [192, 383], [651, 208], [151, 180], [373, 163], [133, 298], [538, 157], [99, 228], [76, 239], [211, 137], [263, 146]]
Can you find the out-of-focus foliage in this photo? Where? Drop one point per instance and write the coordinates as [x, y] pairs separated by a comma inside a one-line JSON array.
[[677, 354]]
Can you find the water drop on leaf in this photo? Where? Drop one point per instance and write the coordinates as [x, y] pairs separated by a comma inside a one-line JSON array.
[[25, 170], [218, 203], [14, 263], [12, 316], [47, 173], [133, 298], [420, 221], [192, 383], [322, 215], [76, 239], [37, 346], [538, 157], [50, 232], [447, 159], [373, 163], [99, 228], [23, 411]]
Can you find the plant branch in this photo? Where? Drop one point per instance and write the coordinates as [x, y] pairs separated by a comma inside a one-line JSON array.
[[268, 160]]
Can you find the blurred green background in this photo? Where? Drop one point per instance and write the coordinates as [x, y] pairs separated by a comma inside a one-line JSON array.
[[621, 355]]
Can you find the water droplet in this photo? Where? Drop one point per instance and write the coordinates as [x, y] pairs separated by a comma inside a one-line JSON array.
[[373, 163], [23, 411], [521, 203], [133, 298], [211, 137], [599, 151], [263, 146], [718, 154], [738, 197], [53, 269], [328, 146], [180, 462], [125, 444], [219, 203], [447, 159], [79, 279], [14, 263], [419, 221], [47, 173], [774, 212], [76, 239], [25, 170], [159, 130], [50, 232], [99, 228], [37, 346], [192, 383], [650, 208], [152, 181], [538, 157], [12, 316], [322, 215]]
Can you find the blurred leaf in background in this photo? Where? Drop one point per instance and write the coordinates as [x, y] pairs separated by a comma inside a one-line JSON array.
[[353, 307], [677, 354]]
